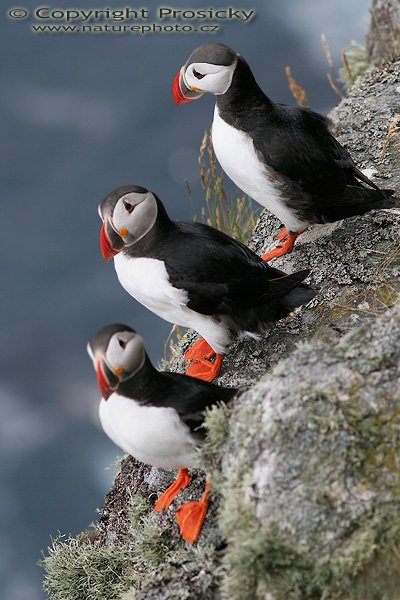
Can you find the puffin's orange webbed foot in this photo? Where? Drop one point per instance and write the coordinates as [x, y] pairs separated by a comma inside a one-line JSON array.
[[205, 369], [200, 349], [191, 516], [288, 240], [180, 483]]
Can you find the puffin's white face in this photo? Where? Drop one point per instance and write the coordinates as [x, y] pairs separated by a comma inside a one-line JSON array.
[[117, 355], [126, 220], [125, 354], [134, 215], [206, 77], [210, 68]]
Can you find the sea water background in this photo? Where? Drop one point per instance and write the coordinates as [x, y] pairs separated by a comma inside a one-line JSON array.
[[82, 114]]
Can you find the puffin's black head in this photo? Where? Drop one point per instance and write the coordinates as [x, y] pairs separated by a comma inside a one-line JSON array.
[[128, 213], [209, 68], [118, 353]]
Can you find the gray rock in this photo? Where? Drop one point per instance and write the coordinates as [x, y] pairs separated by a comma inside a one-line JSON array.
[[311, 505]]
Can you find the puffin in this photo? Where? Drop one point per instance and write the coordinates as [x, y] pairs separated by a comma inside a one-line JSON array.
[[154, 416], [284, 157], [194, 276]]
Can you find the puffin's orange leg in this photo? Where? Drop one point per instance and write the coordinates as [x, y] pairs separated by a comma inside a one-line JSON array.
[[181, 482], [191, 516], [282, 235], [200, 349], [205, 369], [285, 248]]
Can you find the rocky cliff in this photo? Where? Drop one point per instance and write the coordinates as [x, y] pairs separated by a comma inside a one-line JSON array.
[[306, 463]]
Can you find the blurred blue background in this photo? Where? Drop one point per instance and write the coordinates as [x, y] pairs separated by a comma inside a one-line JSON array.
[[82, 114]]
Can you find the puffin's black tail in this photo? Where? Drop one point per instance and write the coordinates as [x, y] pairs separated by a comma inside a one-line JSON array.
[[382, 198], [297, 292], [280, 296], [358, 200], [301, 294], [363, 199], [289, 292], [390, 200]]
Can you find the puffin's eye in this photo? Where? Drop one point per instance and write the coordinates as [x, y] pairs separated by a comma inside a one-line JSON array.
[[129, 207], [122, 343], [197, 74]]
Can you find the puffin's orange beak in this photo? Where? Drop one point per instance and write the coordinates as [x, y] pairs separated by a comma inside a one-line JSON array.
[[110, 242], [181, 92], [103, 374]]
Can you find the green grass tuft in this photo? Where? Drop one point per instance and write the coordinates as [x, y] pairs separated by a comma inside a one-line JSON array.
[[77, 569]]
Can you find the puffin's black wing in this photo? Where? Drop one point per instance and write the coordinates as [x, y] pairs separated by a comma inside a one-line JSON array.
[[190, 397], [297, 144], [222, 275]]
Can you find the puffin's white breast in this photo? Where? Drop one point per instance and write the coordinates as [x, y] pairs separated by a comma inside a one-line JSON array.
[[153, 435], [237, 156], [146, 279]]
